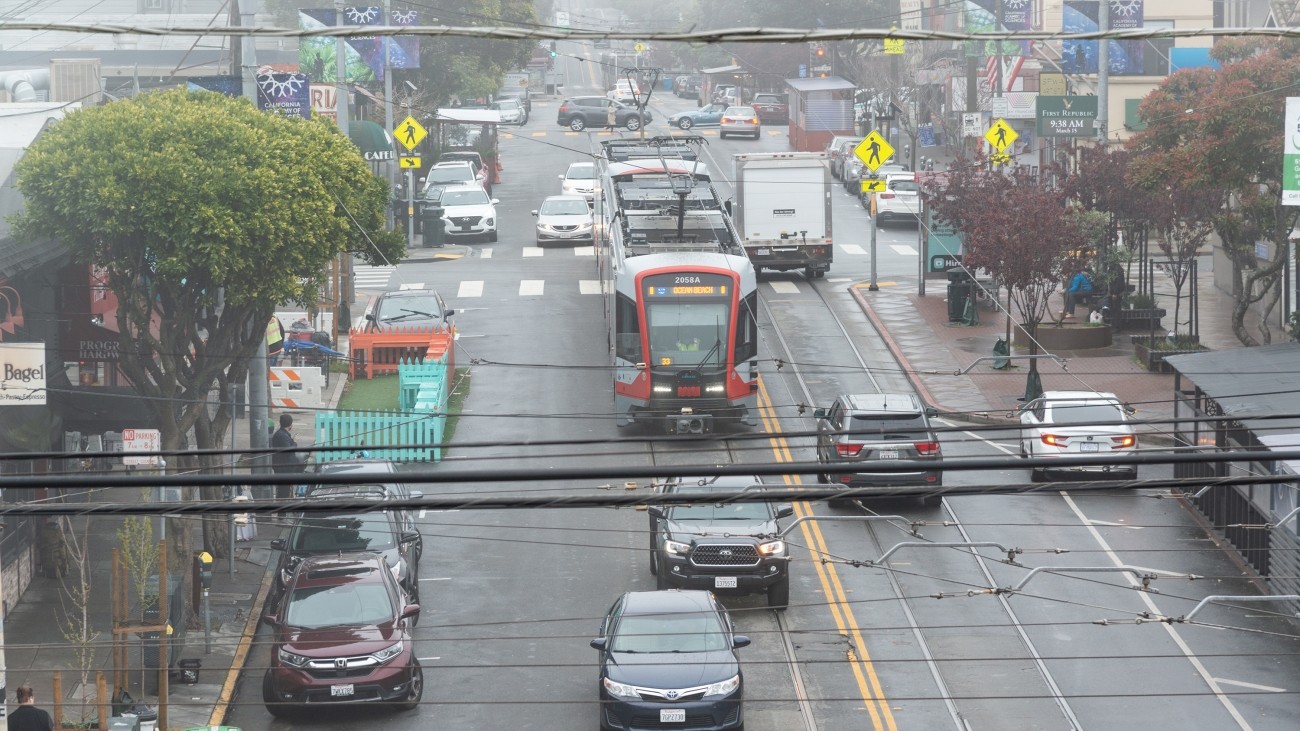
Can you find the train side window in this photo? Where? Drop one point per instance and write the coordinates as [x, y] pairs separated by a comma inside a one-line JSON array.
[[627, 330], [747, 329]]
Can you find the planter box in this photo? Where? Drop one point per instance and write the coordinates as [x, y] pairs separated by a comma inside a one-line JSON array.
[[1154, 359], [1138, 320], [1070, 336]]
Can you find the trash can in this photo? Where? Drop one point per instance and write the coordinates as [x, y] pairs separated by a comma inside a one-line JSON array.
[[959, 291], [124, 723], [431, 224], [668, 83]]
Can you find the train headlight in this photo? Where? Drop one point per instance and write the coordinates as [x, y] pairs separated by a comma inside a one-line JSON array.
[[663, 389], [719, 388]]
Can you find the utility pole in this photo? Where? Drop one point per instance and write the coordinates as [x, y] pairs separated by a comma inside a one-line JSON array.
[[972, 96], [4, 698], [388, 108], [342, 314], [997, 71], [1103, 70]]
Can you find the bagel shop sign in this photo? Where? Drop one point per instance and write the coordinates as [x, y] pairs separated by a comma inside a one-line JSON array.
[[22, 374]]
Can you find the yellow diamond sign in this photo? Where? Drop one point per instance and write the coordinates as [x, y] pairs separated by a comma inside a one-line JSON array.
[[410, 133], [1000, 135], [873, 151]]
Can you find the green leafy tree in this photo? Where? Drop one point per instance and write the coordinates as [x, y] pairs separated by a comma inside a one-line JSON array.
[[185, 197], [1220, 131]]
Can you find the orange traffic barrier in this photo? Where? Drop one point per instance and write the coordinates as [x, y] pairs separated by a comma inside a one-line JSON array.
[[381, 351]]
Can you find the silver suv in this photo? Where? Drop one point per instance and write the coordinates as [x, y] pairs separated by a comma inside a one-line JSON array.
[[861, 431]]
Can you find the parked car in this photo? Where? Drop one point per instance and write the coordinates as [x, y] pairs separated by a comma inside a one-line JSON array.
[[342, 635], [854, 168], [511, 111], [450, 172], [410, 307], [326, 534], [771, 108], [709, 115], [668, 660], [687, 87], [860, 431], [580, 112], [520, 93], [724, 94], [369, 474], [625, 91], [740, 121], [468, 212], [722, 547], [564, 218], [839, 150], [1077, 424], [900, 200], [579, 179], [475, 161]]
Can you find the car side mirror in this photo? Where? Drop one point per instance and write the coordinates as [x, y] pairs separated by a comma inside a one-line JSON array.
[[271, 619], [370, 317], [496, 201], [410, 536], [655, 512], [739, 641], [534, 213], [448, 313], [561, 177], [277, 544], [598, 643], [931, 412], [820, 413], [410, 610], [784, 511]]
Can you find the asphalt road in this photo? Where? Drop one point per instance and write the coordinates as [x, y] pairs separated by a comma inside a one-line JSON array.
[[511, 598]]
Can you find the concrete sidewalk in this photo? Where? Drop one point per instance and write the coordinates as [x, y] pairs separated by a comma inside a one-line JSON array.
[[932, 350], [36, 646]]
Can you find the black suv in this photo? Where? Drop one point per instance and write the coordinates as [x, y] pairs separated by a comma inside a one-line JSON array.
[[722, 547], [580, 112], [861, 431], [369, 482], [325, 534]]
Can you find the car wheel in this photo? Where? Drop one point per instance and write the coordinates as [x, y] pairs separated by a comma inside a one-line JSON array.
[[577, 124], [809, 273], [633, 124], [722, 135], [1036, 475], [932, 501], [778, 594], [654, 557], [274, 705], [685, 123], [492, 237], [756, 136], [415, 693], [661, 582]]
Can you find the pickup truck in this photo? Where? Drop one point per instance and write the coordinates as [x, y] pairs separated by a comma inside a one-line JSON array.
[[771, 108]]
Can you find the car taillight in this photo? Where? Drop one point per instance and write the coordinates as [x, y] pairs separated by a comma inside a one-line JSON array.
[[1055, 440], [848, 450], [886, 195], [1124, 441], [927, 449], [563, 109], [754, 120]]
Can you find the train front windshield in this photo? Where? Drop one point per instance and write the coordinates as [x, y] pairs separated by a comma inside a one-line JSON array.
[[688, 333]]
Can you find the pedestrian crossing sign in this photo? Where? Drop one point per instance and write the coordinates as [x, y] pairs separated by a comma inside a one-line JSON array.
[[410, 133], [873, 185], [874, 150], [1000, 135], [408, 161]]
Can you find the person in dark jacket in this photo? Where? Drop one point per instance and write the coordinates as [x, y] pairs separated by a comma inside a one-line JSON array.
[[287, 461], [27, 717]]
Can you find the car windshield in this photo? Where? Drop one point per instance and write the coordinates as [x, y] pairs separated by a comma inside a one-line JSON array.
[[581, 172], [904, 186], [564, 208], [654, 633], [1077, 413], [504, 104], [450, 174], [687, 334], [408, 307], [719, 511], [476, 197], [328, 606], [327, 534]]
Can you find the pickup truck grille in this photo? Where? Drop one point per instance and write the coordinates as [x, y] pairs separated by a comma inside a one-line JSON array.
[[725, 555]]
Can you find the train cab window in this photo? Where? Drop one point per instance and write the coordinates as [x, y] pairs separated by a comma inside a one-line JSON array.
[[747, 329], [627, 330]]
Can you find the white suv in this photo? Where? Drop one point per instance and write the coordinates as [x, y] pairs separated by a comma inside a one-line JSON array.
[[467, 212], [625, 91], [901, 199], [579, 179]]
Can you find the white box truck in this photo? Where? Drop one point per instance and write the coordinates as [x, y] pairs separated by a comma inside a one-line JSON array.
[[783, 211]]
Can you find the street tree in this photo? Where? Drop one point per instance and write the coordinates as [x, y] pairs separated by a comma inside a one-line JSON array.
[[205, 213], [1221, 131], [1016, 226]]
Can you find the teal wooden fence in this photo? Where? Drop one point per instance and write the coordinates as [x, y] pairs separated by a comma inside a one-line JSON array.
[[413, 433]]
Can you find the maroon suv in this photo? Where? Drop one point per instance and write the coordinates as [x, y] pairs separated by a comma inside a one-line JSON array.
[[342, 635]]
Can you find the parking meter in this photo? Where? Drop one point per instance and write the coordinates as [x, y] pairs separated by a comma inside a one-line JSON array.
[[204, 561], [203, 565]]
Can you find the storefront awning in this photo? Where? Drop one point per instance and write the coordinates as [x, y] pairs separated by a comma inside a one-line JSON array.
[[373, 140]]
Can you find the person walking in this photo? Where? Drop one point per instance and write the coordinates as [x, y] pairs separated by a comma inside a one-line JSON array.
[[285, 461], [27, 717]]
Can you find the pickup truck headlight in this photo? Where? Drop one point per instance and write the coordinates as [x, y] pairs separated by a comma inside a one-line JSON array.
[[677, 548], [772, 548]]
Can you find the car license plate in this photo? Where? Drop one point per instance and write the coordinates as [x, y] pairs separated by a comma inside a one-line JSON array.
[[672, 715], [887, 454], [341, 691], [724, 582], [763, 252], [1089, 447]]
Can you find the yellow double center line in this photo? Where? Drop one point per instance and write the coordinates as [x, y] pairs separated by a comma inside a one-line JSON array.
[[864, 672]]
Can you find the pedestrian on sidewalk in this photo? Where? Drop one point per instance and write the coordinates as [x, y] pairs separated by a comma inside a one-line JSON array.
[[286, 461], [27, 717]]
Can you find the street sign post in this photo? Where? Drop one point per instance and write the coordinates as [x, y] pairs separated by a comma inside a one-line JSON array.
[[140, 440], [1000, 135], [409, 161], [874, 150], [410, 133]]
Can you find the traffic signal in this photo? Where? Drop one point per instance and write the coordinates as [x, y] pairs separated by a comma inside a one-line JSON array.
[[552, 49], [821, 52]]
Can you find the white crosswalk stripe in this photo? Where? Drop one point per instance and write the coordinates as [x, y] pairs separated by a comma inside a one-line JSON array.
[[531, 287], [903, 250], [853, 249], [584, 251], [412, 285], [485, 252], [784, 287], [589, 286], [470, 289], [372, 277], [534, 251]]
